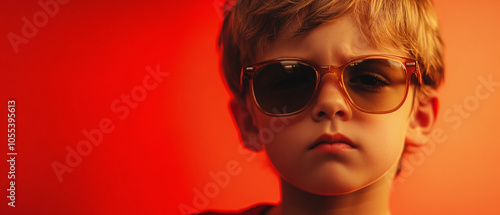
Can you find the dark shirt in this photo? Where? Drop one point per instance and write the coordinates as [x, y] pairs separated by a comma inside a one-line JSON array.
[[255, 210]]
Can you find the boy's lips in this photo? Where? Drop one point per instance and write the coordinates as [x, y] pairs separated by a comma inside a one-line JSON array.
[[333, 139]]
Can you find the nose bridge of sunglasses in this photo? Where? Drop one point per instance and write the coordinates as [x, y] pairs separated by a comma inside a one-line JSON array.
[[330, 76], [330, 86], [335, 71]]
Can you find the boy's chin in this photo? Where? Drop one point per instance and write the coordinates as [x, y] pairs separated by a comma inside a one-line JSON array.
[[334, 191], [331, 187]]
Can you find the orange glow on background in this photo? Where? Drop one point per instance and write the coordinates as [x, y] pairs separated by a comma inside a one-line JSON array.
[[90, 62]]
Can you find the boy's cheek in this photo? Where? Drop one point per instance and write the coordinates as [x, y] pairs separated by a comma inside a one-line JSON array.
[[275, 124]]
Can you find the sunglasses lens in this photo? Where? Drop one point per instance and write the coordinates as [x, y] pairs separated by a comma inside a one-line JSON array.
[[376, 85], [284, 87], [373, 85]]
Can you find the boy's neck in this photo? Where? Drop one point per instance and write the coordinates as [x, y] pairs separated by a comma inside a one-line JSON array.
[[373, 200]]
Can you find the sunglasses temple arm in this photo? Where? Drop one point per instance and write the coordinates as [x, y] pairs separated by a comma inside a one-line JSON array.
[[244, 77], [423, 88], [419, 74]]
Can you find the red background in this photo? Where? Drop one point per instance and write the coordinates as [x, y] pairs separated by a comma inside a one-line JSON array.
[[89, 53]]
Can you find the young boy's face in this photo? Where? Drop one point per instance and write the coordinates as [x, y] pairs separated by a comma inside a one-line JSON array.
[[378, 139]]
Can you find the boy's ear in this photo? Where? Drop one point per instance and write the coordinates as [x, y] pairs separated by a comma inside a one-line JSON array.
[[422, 119], [246, 126]]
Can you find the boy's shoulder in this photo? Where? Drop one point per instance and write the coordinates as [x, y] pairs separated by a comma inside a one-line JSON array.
[[255, 210]]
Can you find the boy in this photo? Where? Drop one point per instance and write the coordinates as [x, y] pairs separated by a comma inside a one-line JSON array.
[[351, 81]]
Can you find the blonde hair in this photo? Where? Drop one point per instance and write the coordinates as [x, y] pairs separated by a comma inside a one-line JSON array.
[[407, 24]]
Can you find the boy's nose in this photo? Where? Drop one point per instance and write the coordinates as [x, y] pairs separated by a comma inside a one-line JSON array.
[[329, 102]]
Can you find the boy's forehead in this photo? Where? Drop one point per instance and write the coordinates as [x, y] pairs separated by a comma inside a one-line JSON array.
[[332, 42]]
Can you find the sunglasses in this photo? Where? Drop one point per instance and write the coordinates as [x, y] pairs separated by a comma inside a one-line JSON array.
[[374, 84]]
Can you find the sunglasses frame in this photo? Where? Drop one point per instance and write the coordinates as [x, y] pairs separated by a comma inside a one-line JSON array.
[[411, 67]]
